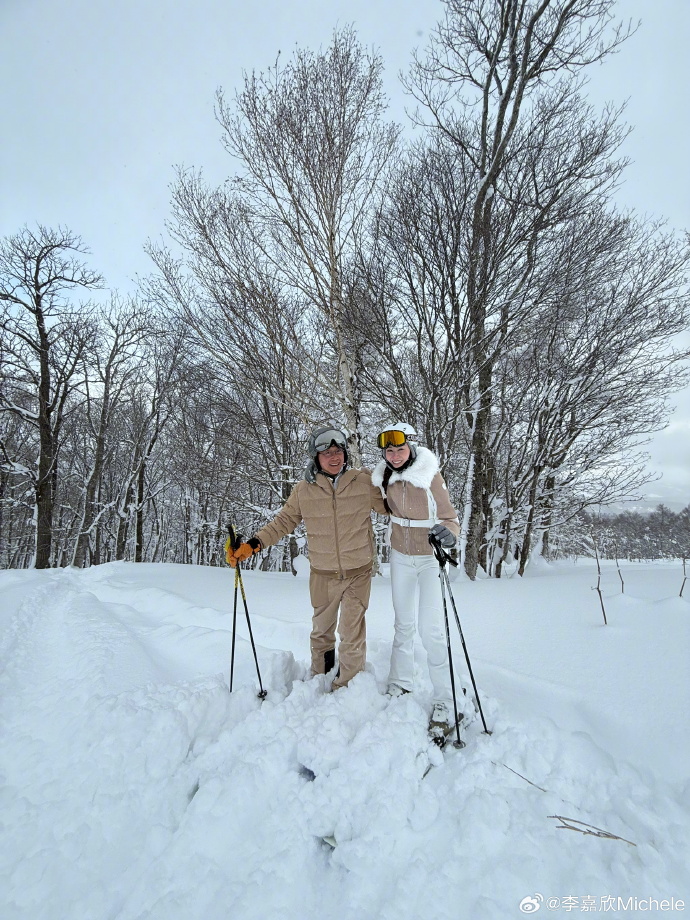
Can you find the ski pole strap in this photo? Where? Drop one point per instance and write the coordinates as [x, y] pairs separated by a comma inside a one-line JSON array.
[[442, 556], [407, 522], [235, 538]]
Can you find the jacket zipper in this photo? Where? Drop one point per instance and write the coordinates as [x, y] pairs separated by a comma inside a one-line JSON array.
[[406, 514], [337, 541]]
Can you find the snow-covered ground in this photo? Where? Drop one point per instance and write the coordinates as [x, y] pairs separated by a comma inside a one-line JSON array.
[[134, 785]]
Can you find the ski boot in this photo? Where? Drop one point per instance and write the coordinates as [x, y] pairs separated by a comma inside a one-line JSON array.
[[441, 727]]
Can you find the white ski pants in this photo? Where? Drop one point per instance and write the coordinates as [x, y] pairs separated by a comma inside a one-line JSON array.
[[409, 573]]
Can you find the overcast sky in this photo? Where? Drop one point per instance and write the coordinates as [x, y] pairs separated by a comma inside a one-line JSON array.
[[101, 99]]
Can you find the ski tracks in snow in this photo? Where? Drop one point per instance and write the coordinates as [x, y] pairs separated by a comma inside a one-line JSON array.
[[94, 753]]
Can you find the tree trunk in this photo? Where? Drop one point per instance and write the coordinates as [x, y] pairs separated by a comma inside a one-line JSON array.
[[549, 487], [45, 480], [44, 501], [90, 510], [529, 529], [475, 553], [504, 543], [123, 524], [97, 539], [139, 517]]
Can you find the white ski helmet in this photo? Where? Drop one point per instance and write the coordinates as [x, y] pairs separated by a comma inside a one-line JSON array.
[[395, 435]]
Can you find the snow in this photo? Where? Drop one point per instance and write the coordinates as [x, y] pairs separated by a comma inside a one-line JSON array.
[[134, 785]]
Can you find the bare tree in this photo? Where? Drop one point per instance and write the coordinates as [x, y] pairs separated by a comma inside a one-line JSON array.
[[312, 146], [45, 338], [112, 365], [152, 400], [418, 267], [17, 492], [592, 376], [257, 353], [493, 67]]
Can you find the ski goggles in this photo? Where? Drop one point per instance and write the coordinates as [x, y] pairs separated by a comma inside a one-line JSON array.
[[326, 438], [392, 438]]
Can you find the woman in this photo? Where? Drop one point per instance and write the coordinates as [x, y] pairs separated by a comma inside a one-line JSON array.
[[418, 502]]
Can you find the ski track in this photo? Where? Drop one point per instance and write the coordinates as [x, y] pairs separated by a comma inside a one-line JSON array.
[[130, 793]]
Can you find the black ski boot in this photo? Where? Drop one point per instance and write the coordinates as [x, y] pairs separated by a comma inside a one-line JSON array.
[[329, 663]]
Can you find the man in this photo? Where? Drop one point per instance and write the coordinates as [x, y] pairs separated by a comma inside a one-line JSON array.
[[335, 504]]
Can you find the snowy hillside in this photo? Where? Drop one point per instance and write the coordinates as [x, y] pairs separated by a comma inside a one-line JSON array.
[[135, 786]]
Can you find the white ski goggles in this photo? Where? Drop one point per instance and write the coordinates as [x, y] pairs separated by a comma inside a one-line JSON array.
[[326, 438]]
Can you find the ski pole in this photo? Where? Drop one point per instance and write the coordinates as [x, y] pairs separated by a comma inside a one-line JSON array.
[[234, 625], [239, 583], [442, 557], [467, 655], [458, 743]]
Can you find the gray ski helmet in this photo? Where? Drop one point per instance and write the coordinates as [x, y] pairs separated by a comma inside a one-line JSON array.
[[322, 438]]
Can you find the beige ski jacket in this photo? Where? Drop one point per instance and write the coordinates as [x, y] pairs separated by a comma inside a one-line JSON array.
[[337, 518], [417, 493]]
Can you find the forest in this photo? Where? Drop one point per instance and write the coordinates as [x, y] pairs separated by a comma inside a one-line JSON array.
[[473, 278]]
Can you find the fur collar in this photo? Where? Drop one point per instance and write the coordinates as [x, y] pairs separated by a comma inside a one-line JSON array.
[[419, 473]]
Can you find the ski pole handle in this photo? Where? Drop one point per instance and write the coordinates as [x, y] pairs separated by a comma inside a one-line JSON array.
[[235, 538], [442, 556], [231, 544]]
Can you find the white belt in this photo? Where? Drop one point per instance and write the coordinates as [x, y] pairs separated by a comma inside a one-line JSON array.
[[406, 522]]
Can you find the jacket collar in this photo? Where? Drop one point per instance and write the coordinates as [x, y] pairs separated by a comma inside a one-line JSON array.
[[420, 473], [313, 470], [342, 479]]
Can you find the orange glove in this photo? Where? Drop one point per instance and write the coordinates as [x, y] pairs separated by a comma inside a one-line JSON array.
[[243, 551]]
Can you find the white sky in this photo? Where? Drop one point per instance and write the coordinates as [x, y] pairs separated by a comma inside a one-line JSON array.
[[101, 99]]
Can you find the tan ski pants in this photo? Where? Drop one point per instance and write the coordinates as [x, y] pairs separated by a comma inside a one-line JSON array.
[[350, 594]]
